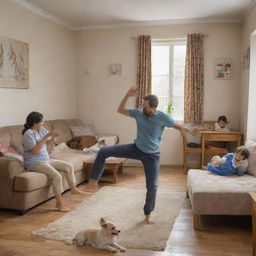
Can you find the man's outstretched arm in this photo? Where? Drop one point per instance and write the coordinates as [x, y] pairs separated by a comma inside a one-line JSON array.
[[122, 109], [184, 130]]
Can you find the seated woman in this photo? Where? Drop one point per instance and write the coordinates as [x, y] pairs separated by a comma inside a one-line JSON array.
[[36, 158]]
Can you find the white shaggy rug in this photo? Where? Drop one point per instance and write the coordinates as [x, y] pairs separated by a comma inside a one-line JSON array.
[[124, 207]]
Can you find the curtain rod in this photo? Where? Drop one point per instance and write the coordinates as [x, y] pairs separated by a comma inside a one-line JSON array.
[[172, 37]]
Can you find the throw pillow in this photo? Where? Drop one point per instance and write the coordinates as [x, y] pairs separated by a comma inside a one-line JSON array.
[[251, 146], [82, 130], [4, 148]]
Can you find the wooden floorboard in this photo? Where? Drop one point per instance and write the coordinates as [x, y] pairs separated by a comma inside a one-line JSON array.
[[219, 235]]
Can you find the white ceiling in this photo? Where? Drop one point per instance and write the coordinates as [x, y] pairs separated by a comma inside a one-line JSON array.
[[82, 14]]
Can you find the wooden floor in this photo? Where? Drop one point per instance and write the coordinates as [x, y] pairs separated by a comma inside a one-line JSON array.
[[219, 236]]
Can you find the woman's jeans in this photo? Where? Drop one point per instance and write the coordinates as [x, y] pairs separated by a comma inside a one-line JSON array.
[[150, 163]]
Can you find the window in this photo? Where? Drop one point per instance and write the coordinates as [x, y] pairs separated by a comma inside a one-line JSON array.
[[168, 70]]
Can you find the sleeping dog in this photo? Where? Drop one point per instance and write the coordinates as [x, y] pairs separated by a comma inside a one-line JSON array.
[[81, 142], [100, 238]]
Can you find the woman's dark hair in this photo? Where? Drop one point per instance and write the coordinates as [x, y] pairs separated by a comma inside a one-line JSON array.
[[242, 150], [223, 119], [152, 100], [32, 118]]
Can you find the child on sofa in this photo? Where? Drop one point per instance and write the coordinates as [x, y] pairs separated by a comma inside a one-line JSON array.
[[231, 163]]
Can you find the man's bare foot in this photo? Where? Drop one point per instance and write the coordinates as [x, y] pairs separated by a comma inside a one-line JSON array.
[[148, 219]]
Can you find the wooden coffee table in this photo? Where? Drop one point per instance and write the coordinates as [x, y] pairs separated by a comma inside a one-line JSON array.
[[112, 167]]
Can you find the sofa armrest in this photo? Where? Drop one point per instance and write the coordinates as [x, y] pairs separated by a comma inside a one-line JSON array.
[[9, 168]]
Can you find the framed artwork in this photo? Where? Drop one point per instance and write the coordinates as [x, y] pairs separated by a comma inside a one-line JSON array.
[[223, 68], [14, 63]]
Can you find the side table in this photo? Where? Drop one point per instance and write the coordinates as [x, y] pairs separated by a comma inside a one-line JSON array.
[[114, 165]]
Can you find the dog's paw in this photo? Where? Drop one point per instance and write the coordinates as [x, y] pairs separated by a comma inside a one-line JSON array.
[[122, 249]]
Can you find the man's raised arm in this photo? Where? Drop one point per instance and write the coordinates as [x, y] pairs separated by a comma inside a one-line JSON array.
[[122, 109]]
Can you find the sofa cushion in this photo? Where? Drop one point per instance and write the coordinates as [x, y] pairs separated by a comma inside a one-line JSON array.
[[47, 126], [29, 181], [76, 159], [16, 137], [82, 130], [5, 135], [251, 146], [220, 195], [73, 122], [63, 130]]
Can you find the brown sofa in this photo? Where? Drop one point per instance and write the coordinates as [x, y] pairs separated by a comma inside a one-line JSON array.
[[211, 194], [19, 189]]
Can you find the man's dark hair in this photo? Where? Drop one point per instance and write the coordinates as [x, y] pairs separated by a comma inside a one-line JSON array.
[[223, 119], [152, 100], [242, 150]]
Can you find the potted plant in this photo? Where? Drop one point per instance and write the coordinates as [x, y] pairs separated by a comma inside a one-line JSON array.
[[170, 108]]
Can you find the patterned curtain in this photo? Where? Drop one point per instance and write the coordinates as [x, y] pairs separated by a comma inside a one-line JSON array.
[[143, 69], [194, 80]]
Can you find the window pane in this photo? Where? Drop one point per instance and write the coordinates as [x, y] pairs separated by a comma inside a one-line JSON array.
[[160, 60], [179, 59], [179, 53], [160, 87], [169, 87]]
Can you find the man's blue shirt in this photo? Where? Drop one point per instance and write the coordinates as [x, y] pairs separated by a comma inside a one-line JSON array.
[[150, 129]]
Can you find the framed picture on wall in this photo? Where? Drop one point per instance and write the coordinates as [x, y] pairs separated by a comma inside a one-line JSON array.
[[223, 68], [14, 63]]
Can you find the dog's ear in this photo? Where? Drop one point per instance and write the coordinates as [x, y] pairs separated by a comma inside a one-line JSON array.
[[103, 222]]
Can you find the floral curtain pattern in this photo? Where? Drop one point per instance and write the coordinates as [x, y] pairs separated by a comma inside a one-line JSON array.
[[194, 80], [143, 68]]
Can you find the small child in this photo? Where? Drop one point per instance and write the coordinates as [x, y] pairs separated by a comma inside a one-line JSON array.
[[222, 124], [231, 163]]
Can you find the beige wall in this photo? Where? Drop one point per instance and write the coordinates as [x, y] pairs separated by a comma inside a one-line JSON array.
[[248, 28], [99, 93], [52, 67]]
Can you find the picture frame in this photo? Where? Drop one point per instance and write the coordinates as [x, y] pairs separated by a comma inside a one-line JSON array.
[[223, 68], [14, 63]]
